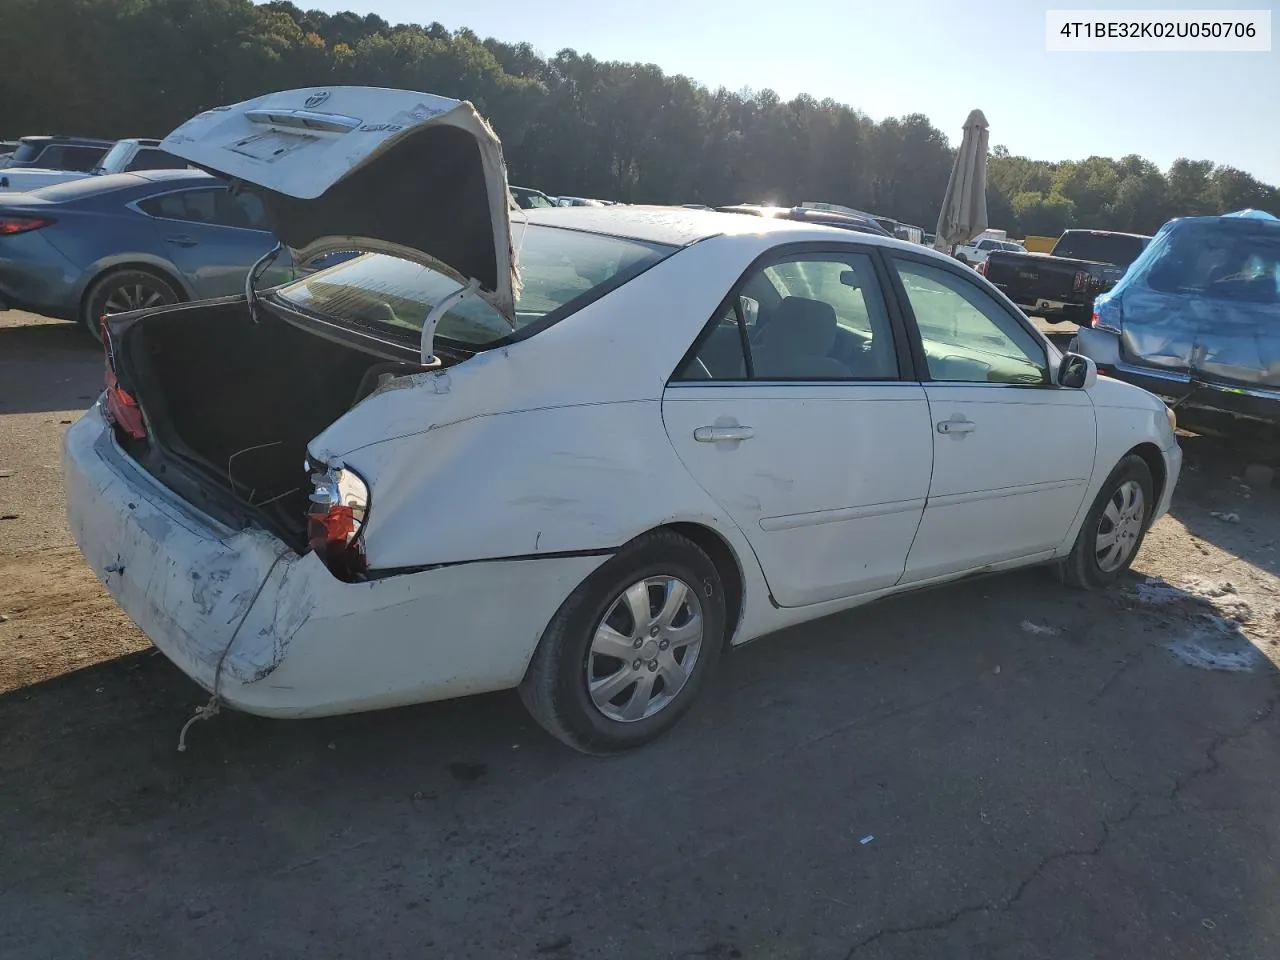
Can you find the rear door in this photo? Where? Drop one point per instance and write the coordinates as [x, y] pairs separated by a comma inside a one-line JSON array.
[[212, 239], [1012, 452], [797, 411]]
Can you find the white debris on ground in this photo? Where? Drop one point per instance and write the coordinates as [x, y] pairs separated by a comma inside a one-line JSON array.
[[1225, 517], [1209, 640], [1038, 630]]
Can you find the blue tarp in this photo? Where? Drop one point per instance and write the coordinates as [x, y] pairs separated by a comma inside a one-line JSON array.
[[1252, 214]]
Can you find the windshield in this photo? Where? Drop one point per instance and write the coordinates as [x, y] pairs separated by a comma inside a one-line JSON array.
[[114, 158], [1119, 249], [561, 271], [27, 151]]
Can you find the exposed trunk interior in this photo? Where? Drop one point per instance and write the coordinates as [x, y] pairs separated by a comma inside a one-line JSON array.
[[235, 403]]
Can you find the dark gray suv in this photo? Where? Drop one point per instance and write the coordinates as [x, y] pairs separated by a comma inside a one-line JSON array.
[[58, 153]]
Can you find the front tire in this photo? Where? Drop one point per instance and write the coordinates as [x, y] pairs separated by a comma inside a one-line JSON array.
[[121, 291], [1114, 529], [630, 649]]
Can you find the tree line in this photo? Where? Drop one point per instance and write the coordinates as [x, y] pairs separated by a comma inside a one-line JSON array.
[[570, 124]]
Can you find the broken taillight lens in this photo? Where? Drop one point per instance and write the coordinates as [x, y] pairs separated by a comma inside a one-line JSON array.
[[121, 408], [335, 521]]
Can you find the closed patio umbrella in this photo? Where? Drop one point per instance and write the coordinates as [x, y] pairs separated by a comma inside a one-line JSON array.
[[964, 209]]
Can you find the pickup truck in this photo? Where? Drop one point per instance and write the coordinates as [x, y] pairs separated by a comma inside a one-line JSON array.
[[1061, 285], [124, 156]]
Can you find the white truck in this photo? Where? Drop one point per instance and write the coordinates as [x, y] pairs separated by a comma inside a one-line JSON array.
[[125, 157]]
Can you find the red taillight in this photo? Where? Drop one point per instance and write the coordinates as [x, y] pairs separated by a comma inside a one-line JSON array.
[[335, 519], [1093, 320], [982, 268], [122, 409], [11, 225]]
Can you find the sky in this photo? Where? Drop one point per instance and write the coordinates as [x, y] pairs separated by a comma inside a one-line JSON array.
[[941, 58]]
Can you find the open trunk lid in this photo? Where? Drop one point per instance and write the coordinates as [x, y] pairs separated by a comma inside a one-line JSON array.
[[373, 169]]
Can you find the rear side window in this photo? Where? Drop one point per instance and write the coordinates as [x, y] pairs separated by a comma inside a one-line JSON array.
[[814, 317], [194, 206], [1235, 261]]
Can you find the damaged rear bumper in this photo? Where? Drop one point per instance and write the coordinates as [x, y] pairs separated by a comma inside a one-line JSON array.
[[292, 640]]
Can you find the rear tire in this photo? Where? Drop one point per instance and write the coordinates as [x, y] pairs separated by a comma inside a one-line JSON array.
[[120, 291], [1114, 529], [599, 703]]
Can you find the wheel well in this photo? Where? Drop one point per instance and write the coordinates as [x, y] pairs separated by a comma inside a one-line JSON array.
[[165, 275], [726, 562], [1154, 460]]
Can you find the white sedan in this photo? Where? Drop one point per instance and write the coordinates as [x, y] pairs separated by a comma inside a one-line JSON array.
[[579, 455]]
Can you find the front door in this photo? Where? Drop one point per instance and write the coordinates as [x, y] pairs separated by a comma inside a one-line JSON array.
[[791, 413], [1013, 452]]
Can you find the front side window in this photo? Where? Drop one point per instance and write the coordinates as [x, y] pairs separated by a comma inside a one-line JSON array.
[[816, 317], [561, 271], [967, 335]]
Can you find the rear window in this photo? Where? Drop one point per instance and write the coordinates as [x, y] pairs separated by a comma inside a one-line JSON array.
[[1226, 261], [1114, 248], [561, 270]]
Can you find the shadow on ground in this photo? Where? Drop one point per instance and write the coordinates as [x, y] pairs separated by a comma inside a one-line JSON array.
[[998, 769], [1215, 503], [48, 366]]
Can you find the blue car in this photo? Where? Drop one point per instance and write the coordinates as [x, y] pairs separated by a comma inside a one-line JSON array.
[[109, 244], [1196, 320]]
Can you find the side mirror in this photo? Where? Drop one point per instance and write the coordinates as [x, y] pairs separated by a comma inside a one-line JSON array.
[[1077, 372]]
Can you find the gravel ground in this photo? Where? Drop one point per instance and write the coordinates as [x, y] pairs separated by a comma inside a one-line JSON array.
[[1002, 768]]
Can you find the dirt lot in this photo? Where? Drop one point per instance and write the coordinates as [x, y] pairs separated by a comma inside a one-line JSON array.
[[998, 769]]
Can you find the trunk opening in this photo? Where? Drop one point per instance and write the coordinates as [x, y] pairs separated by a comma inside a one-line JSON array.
[[231, 405]]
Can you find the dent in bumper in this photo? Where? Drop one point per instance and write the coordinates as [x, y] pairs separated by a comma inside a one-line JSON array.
[[307, 644]]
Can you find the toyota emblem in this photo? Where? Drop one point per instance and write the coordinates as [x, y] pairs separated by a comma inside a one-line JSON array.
[[317, 98]]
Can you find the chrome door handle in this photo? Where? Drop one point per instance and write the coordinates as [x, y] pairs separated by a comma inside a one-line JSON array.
[[722, 434], [957, 425], [181, 241]]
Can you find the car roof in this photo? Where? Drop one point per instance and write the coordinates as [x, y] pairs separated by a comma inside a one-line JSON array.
[[74, 141], [161, 176], [680, 226]]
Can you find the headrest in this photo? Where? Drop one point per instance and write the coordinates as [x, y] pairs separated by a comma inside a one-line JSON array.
[[802, 327]]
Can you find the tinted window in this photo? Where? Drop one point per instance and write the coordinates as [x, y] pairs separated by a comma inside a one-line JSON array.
[[821, 317], [1114, 248], [81, 158], [27, 152], [561, 270], [152, 159], [197, 206], [967, 335], [245, 210]]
